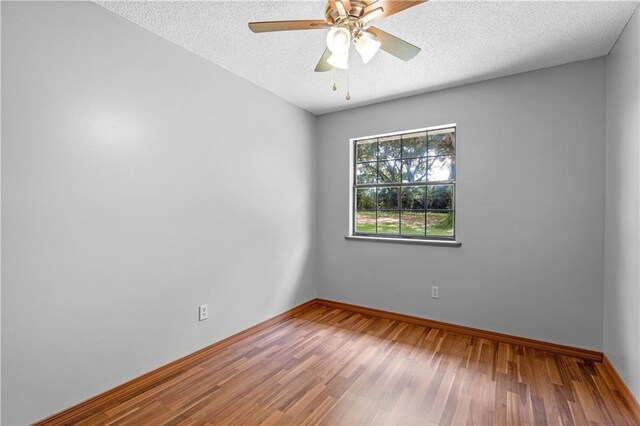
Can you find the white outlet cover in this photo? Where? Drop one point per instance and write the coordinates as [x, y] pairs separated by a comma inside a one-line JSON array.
[[204, 312], [435, 292]]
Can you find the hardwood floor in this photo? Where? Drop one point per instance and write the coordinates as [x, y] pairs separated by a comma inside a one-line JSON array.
[[331, 366]]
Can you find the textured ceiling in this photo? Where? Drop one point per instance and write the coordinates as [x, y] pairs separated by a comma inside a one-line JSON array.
[[461, 42]]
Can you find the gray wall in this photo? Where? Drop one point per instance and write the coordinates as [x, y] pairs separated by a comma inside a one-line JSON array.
[[622, 238], [530, 200], [0, 221], [124, 204], [122, 208]]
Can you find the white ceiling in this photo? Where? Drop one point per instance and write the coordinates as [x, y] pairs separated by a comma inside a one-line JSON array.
[[461, 41]]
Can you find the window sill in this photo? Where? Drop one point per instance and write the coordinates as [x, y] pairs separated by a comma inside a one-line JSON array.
[[442, 243]]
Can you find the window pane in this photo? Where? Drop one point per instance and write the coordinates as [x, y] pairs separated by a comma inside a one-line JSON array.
[[389, 148], [366, 150], [389, 171], [414, 170], [366, 173], [366, 199], [388, 198], [388, 223], [441, 168], [366, 222], [404, 185], [442, 142], [413, 198], [440, 224], [440, 197], [412, 223], [414, 145]]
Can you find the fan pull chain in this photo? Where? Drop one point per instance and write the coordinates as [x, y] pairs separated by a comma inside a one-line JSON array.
[[348, 97], [334, 88]]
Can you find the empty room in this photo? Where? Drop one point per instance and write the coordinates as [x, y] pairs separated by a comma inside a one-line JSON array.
[[336, 212]]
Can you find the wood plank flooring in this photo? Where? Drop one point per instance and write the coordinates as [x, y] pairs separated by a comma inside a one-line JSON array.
[[330, 366]]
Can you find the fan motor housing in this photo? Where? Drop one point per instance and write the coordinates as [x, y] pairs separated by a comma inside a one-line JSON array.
[[357, 9]]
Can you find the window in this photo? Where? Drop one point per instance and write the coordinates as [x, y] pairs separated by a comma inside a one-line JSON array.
[[404, 185]]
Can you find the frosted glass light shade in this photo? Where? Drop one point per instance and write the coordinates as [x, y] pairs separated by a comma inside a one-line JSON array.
[[338, 40], [339, 61], [367, 47]]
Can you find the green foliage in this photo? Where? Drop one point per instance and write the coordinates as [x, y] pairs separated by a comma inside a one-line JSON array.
[[388, 198], [366, 199], [413, 198], [402, 210], [366, 173], [442, 142], [440, 223], [389, 148], [367, 151], [414, 145], [440, 197], [389, 171]]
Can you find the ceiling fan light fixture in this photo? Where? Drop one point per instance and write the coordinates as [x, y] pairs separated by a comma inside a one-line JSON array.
[[348, 21], [339, 60], [338, 41], [367, 47]]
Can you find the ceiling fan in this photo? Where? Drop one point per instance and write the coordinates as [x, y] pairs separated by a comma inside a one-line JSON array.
[[348, 21]]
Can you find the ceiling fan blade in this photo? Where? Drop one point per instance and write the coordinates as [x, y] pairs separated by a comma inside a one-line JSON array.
[[346, 4], [269, 26], [323, 65], [371, 15], [394, 45], [391, 7], [339, 7]]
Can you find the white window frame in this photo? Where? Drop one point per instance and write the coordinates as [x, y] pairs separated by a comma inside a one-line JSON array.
[[452, 241]]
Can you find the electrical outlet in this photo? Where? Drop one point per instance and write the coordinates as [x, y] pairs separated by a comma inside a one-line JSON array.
[[204, 312], [435, 292]]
